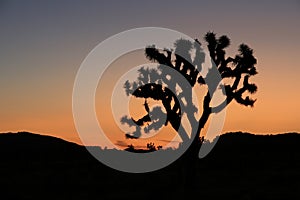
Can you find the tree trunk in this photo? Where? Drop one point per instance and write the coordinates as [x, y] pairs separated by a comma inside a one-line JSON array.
[[190, 157]]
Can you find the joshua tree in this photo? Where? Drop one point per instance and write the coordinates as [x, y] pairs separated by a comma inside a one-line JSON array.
[[158, 84]]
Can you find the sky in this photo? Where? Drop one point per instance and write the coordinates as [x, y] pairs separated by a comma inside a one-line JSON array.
[[43, 43]]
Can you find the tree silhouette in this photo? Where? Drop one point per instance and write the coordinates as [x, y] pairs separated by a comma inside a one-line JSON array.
[[158, 84]]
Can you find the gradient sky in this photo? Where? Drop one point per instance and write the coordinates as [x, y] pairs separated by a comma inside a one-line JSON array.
[[42, 45]]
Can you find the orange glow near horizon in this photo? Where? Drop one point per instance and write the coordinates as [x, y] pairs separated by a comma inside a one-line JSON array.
[[276, 110]]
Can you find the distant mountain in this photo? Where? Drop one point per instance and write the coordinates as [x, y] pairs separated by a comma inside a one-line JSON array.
[[30, 146], [256, 150], [46, 147], [26, 138], [240, 166]]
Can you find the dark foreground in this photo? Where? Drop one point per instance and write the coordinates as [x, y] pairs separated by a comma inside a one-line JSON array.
[[241, 166]]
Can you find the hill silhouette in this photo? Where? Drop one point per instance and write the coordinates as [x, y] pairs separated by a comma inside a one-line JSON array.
[[241, 166], [25, 145]]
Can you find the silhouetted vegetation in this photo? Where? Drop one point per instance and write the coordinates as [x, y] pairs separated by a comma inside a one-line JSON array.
[[241, 166], [150, 147], [161, 84]]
